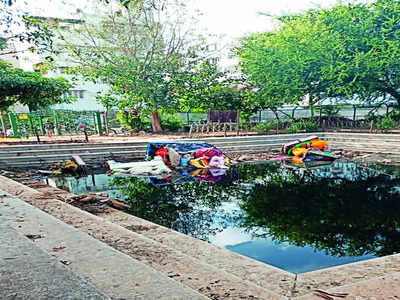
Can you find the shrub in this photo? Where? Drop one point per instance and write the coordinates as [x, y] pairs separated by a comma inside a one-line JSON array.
[[263, 127], [133, 120], [306, 126], [385, 123], [330, 110], [171, 123]]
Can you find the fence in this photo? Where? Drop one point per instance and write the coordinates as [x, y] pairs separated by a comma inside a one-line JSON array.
[[63, 122], [66, 122], [354, 113]]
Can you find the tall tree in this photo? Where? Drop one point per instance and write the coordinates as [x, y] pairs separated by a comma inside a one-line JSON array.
[[138, 48], [348, 50]]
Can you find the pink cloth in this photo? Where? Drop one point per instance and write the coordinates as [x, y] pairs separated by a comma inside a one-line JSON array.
[[207, 152]]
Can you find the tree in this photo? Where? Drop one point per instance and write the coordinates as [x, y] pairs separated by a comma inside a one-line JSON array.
[[349, 50], [29, 88], [20, 32], [138, 48], [205, 86]]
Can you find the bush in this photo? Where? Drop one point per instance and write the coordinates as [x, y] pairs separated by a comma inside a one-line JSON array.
[[330, 110], [263, 127], [133, 120], [385, 123], [306, 126], [171, 123]]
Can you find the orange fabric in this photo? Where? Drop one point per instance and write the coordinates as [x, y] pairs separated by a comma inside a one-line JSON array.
[[297, 160], [319, 144], [299, 151]]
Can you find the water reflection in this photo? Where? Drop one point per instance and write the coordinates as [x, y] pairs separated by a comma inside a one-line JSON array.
[[344, 210], [298, 219]]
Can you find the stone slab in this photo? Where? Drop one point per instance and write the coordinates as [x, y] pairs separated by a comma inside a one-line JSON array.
[[29, 273], [108, 270]]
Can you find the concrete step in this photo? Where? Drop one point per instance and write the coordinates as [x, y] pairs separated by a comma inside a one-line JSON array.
[[63, 157], [370, 140], [38, 147], [138, 148], [380, 136], [228, 140], [28, 272], [106, 269], [32, 160], [43, 152]]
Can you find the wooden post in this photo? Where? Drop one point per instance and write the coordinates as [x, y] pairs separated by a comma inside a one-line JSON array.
[[190, 131], [105, 120], [225, 129], [86, 135]]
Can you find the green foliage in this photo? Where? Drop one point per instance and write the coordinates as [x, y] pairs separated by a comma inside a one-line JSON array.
[[385, 123], [302, 126], [133, 120], [30, 88], [349, 50], [189, 207], [330, 110], [264, 127], [68, 121], [148, 53], [171, 123]]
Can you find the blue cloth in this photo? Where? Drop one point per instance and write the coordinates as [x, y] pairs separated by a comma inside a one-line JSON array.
[[178, 147]]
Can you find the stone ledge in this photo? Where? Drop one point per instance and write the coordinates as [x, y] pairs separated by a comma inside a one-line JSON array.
[[109, 271], [27, 272]]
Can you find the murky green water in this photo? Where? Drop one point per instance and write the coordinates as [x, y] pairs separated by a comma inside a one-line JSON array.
[[295, 219]]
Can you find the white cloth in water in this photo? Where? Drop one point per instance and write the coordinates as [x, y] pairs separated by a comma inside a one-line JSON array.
[[152, 167], [217, 162]]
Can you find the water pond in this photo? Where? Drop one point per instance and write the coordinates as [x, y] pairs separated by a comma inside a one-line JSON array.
[[297, 219]]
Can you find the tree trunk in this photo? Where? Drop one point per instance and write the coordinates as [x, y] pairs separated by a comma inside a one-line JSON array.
[[105, 118], [155, 121]]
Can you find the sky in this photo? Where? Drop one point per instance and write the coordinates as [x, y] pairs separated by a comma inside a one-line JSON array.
[[228, 19], [232, 18], [235, 18]]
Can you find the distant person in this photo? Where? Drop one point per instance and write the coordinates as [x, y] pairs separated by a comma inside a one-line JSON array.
[[48, 128], [9, 132], [81, 124]]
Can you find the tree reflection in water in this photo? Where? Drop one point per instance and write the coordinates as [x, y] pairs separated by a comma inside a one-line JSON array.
[[344, 210]]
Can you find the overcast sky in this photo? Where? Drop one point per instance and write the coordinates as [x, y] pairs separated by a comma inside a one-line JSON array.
[[229, 18], [232, 18]]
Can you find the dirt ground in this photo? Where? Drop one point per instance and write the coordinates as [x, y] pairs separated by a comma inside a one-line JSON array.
[[136, 137]]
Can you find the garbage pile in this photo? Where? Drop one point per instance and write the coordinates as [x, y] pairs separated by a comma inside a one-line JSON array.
[[169, 162], [309, 149]]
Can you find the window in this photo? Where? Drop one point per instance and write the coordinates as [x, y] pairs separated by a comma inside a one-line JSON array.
[[77, 93]]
